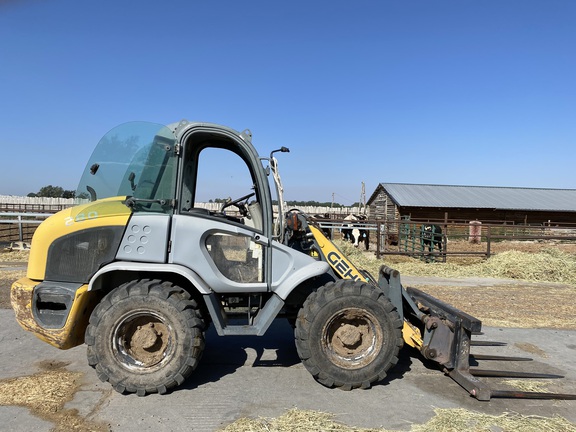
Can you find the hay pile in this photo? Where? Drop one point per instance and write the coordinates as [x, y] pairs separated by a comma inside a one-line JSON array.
[[550, 265], [445, 420], [547, 265]]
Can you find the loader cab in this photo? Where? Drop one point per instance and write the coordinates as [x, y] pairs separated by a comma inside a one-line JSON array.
[[162, 176], [159, 178]]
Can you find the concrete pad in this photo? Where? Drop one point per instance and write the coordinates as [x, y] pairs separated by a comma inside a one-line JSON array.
[[17, 419], [262, 376]]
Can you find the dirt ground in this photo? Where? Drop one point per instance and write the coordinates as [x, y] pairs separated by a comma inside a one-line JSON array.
[[516, 304], [6, 279]]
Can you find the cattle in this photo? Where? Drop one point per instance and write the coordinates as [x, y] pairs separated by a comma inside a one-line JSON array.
[[347, 232], [432, 237], [354, 233]]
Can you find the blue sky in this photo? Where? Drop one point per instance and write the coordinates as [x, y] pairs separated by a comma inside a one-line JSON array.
[[416, 91]]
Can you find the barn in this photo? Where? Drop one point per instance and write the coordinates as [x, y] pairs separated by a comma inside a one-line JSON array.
[[532, 206]]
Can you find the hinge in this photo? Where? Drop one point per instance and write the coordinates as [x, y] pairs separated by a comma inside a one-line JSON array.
[[177, 149], [169, 246]]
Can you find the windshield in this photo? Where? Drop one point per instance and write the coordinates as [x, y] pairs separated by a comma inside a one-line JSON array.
[[136, 160]]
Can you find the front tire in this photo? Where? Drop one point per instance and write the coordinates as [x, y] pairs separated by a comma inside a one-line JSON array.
[[146, 336], [348, 335]]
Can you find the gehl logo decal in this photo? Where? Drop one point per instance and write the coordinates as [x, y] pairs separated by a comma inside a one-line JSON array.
[[341, 266]]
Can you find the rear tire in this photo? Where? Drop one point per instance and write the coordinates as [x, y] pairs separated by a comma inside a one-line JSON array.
[[146, 336], [348, 335]]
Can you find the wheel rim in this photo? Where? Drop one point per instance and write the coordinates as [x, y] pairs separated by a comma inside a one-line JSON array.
[[352, 338], [142, 340]]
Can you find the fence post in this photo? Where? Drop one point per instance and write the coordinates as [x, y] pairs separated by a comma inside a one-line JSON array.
[[488, 240], [378, 240], [20, 233]]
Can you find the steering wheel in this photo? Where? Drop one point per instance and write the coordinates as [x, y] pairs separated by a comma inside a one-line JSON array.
[[238, 203]]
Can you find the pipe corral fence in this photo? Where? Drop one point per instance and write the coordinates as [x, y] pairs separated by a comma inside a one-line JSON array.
[[19, 226]]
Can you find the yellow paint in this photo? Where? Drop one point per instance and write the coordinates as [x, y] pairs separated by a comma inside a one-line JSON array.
[[72, 334], [337, 260], [412, 335], [105, 212]]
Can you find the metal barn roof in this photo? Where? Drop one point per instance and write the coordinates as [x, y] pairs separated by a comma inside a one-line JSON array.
[[502, 198]]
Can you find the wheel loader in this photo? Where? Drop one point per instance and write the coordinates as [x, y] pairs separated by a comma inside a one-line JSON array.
[[138, 271]]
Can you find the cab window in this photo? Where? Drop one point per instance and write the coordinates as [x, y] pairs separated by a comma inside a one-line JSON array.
[[220, 182]]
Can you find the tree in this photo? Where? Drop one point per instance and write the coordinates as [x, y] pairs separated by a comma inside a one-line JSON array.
[[309, 203], [50, 191], [53, 192]]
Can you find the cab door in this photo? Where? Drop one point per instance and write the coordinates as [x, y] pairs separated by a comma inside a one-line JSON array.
[[220, 230]]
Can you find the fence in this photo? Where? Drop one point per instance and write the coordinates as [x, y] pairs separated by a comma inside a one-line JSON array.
[[19, 226], [19, 204], [408, 237], [20, 216], [404, 237]]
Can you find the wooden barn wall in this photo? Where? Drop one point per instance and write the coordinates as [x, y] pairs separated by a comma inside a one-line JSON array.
[[486, 215], [382, 207]]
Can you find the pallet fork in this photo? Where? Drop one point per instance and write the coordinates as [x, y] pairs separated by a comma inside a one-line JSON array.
[[446, 337]]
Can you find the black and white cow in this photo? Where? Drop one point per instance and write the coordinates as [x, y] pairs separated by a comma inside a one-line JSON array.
[[432, 237], [354, 233], [347, 228]]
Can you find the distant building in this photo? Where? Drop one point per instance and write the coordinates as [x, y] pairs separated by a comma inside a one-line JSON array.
[[468, 203]]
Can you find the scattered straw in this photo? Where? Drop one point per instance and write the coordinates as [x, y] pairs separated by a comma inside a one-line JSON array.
[[15, 255], [294, 420], [45, 394], [6, 280], [549, 265], [457, 420], [445, 420], [528, 385]]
